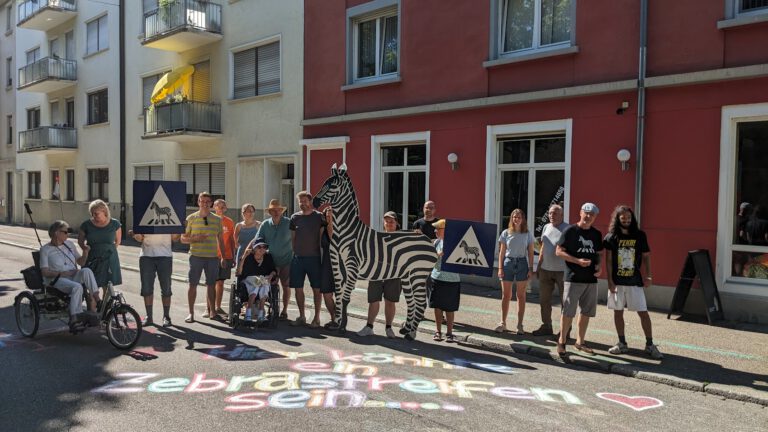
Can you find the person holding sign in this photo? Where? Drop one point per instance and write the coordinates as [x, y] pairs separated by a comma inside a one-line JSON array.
[[580, 247], [515, 266], [156, 258], [626, 251]]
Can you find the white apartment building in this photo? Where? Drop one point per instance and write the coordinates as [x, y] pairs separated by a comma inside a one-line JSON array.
[[8, 177], [231, 126]]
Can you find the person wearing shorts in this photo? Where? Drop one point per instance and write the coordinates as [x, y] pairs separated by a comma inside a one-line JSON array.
[[306, 227], [627, 252], [580, 247], [516, 259], [226, 252], [203, 234], [156, 260], [388, 289]]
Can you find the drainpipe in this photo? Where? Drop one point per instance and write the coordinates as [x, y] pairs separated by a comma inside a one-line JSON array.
[[121, 36], [641, 108]]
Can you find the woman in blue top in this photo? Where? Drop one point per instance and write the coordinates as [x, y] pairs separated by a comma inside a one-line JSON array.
[[446, 289], [515, 265], [245, 231]]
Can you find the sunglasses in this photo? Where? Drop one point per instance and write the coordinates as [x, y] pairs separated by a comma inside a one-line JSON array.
[[205, 219], [261, 247], [64, 231]]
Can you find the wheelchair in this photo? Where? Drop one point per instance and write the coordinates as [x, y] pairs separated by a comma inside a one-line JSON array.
[[238, 299], [120, 320]]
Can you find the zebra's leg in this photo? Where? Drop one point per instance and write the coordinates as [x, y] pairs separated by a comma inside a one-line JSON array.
[[418, 305], [348, 288], [405, 283]]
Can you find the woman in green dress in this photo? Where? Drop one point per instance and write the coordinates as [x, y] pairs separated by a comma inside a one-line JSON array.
[[102, 234]]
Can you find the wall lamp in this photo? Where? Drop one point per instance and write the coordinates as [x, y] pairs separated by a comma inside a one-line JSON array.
[[623, 156], [453, 159]]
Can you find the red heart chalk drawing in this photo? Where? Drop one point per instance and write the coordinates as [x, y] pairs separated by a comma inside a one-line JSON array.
[[637, 403]]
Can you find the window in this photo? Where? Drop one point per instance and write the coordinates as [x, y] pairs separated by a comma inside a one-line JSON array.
[[55, 114], [201, 82], [746, 6], [201, 177], [69, 112], [70, 185], [98, 184], [147, 86], [404, 180], [98, 107], [55, 185], [97, 35], [33, 118], [53, 48], [33, 185], [148, 172], [9, 18], [256, 71], [375, 43], [33, 55], [9, 128], [9, 72], [69, 45], [535, 25]]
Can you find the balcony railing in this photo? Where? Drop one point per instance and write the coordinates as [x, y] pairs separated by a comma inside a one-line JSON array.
[[182, 117], [48, 68], [30, 8], [47, 138], [182, 14]]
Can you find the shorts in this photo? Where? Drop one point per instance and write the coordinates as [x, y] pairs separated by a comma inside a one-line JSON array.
[[198, 265], [327, 282], [445, 295], [515, 269], [150, 266], [630, 297], [261, 290], [388, 289], [581, 295], [284, 274], [225, 272], [305, 266]]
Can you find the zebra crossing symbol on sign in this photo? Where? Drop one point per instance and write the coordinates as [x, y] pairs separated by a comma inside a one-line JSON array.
[[468, 252], [160, 211]]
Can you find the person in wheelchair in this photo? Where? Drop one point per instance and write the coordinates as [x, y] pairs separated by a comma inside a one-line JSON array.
[[257, 271], [59, 260]]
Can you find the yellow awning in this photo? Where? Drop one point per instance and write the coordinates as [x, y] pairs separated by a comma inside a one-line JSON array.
[[169, 82]]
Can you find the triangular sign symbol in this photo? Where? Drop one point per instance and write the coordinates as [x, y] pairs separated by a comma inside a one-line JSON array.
[[160, 211], [468, 252]]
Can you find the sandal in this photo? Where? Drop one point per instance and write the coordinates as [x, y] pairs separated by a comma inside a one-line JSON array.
[[450, 337], [189, 319], [437, 337], [584, 348]]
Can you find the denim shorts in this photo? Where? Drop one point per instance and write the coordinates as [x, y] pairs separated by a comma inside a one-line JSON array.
[[515, 269], [305, 266]]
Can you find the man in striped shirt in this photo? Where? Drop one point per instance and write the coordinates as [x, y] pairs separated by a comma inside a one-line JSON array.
[[204, 235]]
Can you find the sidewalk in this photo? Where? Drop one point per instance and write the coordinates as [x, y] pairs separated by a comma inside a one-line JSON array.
[[729, 360]]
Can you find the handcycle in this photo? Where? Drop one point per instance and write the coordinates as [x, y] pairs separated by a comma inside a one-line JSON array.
[[238, 297]]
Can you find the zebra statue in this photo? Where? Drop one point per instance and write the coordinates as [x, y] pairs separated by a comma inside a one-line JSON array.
[[359, 252]]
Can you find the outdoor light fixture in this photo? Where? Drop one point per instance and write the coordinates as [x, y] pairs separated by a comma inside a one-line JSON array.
[[453, 159], [623, 156], [623, 107]]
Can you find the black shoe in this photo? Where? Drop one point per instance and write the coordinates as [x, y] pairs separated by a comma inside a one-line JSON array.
[[146, 321], [167, 321], [543, 331], [92, 318]]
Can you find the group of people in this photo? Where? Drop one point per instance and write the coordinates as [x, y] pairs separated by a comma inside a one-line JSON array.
[[289, 250]]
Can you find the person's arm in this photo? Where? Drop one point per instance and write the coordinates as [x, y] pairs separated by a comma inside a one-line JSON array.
[[236, 234], [175, 237], [186, 238], [329, 220], [502, 252], [609, 269], [81, 238], [220, 241], [597, 263], [562, 253], [541, 255], [530, 259], [118, 236], [248, 251], [647, 265], [84, 257]]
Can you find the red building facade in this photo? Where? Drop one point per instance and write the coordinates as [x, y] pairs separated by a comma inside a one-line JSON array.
[[535, 98]]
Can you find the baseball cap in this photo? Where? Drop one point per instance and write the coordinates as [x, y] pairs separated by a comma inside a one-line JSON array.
[[390, 214], [590, 208]]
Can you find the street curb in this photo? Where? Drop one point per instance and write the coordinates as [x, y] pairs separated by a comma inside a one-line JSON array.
[[738, 393]]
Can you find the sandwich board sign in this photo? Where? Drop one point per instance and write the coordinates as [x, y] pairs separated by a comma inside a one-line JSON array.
[[159, 207], [468, 247]]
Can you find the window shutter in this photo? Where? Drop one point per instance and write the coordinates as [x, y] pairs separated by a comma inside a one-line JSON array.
[[217, 178], [156, 172], [103, 33], [91, 38], [269, 68], [142, 173], [186, 174], [147, 85], [245, 74], [201, 82], [202, 178]]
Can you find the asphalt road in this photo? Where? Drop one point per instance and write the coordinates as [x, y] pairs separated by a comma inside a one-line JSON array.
[[204, 376]]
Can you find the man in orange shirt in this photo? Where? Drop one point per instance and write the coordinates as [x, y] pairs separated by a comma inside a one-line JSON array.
[[226, 253]]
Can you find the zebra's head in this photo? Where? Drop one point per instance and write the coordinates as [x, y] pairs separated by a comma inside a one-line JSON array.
[[333, 187]]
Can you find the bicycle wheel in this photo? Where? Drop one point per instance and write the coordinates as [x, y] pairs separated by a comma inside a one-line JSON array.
[[123, 327], [27, 314]]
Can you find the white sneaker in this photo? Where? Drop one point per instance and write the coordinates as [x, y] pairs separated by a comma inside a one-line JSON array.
[[248, 315], [619, 348], [365, 331], [260, 316], [390, 333]]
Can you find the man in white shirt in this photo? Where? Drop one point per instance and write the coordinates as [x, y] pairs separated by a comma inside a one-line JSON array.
[[156, 258], [550, 269]]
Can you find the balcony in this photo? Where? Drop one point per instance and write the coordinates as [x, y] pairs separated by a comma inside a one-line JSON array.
[[47, 75], [44, 15], [185, 121], [182, 25], [48, 139]]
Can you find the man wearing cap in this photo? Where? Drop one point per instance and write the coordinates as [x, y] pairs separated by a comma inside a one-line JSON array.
[[551, 268], [580, 247], [388, 289], [424, 225], [276, 232]]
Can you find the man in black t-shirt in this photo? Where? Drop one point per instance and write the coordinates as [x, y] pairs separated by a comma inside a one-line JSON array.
[[580, 247], [626, 252], [424, 225]]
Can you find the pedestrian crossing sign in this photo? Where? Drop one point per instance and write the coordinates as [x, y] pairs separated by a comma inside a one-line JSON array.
[[468, 247], [159, 207]]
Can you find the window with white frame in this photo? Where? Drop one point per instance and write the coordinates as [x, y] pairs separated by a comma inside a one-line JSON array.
[[98, 184], [9, 17], [96, 35], [33, 118], [256, 71], [9, 72], [148, 172], [33, 184], [528, 25], [70, 196], [375, 43], [55, 185], [98, 107], [33, 55], [9, 129], [202, 177], [750, 6], [147, 86], [404, 180]]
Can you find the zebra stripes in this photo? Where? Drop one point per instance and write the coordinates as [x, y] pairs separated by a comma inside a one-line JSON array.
[[361, 253]]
